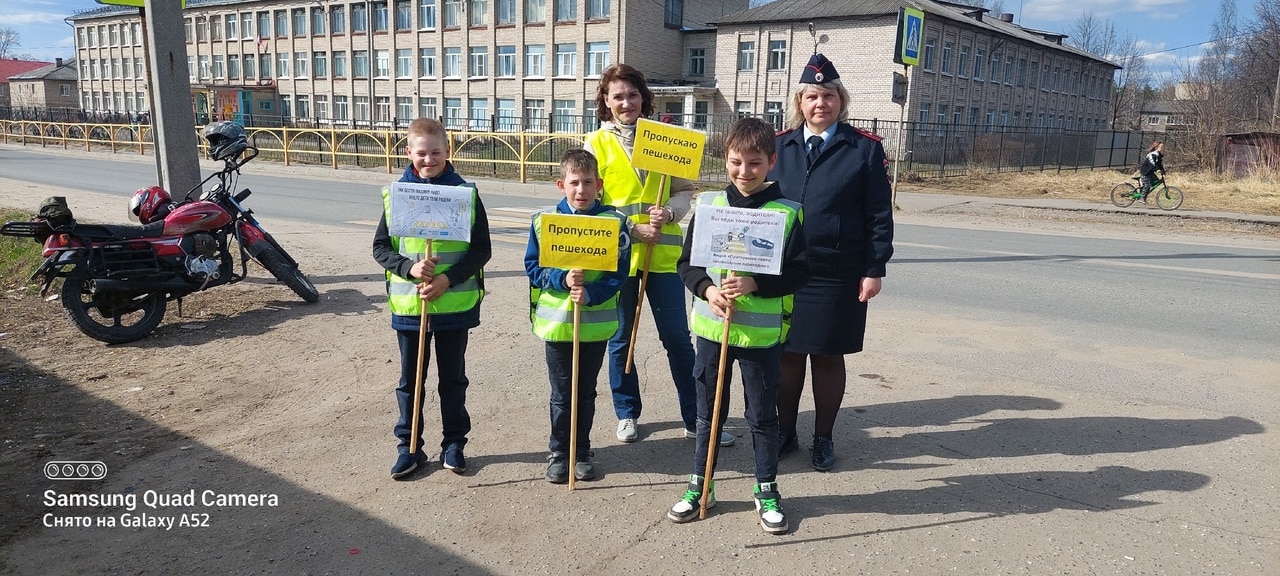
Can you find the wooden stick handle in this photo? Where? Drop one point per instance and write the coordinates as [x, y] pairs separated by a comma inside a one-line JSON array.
[[573, 402], [714, 437], [421, 374], [644, 281]]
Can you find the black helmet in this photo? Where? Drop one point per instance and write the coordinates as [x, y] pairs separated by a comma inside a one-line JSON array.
[[226, 139]]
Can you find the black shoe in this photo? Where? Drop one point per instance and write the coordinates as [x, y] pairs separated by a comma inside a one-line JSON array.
[[453, 459], [787, 444], [584, 469], [407, 463], [558, 469], [824, 453]]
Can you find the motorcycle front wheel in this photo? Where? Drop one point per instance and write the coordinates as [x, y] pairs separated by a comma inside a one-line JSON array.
[[111, 317], [277, 263]]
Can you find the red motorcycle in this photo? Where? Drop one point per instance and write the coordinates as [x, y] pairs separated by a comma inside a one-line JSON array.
[[117, 279]]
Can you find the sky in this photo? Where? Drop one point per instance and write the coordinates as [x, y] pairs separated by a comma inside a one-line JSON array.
[[1162, 27]]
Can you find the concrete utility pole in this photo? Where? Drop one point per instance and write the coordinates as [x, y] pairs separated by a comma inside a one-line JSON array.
[[177, 156]]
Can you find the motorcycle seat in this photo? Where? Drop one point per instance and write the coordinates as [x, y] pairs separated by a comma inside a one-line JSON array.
[[119, 231]]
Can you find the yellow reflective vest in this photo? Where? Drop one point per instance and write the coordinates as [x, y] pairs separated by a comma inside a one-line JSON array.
[[402, 294], [628, 195], [551, 311], [757, 322]]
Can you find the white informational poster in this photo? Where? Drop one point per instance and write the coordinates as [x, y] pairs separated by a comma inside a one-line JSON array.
[[739, 239], [430, 211]]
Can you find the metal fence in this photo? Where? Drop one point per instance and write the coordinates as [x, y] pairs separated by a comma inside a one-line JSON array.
[[524, 149]]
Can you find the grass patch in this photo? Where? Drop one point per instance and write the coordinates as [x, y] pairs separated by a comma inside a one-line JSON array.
[[19, 257], [1258, 194]]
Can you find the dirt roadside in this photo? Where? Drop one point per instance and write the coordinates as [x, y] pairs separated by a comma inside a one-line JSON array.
[[253, 392]]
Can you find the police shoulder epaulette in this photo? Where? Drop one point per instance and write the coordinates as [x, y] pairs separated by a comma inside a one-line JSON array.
[[782, 132], [871, 135]]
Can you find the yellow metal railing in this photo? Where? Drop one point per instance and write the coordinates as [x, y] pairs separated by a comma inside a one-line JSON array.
[[512, 153]]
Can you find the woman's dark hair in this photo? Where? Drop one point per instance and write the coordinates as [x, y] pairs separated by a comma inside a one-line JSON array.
[[630, 75]]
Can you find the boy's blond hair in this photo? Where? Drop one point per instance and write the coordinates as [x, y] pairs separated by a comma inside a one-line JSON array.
[[751, 135], [424, 127], [579, 161]]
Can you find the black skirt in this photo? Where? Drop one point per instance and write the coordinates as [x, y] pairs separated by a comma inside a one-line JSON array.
[[827, 318]]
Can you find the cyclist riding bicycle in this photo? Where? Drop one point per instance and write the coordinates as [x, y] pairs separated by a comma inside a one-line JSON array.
[[1151, 163]]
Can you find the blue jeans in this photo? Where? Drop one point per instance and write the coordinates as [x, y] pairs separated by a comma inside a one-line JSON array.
[[451, 349], [560, 372], [666, 295], [761, 372]]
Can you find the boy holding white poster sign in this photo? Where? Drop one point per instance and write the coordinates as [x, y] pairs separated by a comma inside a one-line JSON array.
[[577, 258], [750, 305], [450, 283]]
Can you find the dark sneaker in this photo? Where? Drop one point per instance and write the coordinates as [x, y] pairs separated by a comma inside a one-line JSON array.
[[726, 439], [584, 470], [769, 507], [453, 459], [558, 469], [787, 444], [407, 463], [688, 506], [824, 453]]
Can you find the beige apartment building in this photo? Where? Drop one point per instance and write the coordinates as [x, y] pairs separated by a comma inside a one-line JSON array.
[[478, 64]]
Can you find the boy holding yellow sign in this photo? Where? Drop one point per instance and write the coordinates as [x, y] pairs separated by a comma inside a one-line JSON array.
[[578, 257], [754, 337]]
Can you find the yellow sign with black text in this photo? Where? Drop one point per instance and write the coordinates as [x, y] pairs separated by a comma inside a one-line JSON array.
[[570, 241], [668, 149]]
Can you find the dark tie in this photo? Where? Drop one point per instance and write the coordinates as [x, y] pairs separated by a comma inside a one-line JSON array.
[[815, 148]]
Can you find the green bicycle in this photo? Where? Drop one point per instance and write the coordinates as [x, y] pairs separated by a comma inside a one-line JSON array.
[[1167, 197]]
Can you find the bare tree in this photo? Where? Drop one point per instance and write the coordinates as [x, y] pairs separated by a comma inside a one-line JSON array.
[[1092, 34], [1212, 97], [10, 40], [1254, 68]]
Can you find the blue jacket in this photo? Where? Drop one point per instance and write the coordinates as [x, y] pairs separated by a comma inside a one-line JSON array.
[[847, 200], [479, 252], [553, 278]]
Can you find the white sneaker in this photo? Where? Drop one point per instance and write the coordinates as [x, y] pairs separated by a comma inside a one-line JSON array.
[[627, 430], [726, 439]]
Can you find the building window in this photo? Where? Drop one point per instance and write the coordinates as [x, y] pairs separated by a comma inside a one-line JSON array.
[[427, 107], [382, 108], [777, 54], [138, 71], [282, 65], [453, 62], [565, 112], [219, 67], [362, 109], [700, 110], [404, 62], [597, 58], [673, 13], [128, 68], [978, 58], [478, 61], [535, 114], [927, 61], [535, 11], [300, 65], [597, 9], [746, 55], [506, 62], [566, 60], [924, 114], [404, 109], [404, 17], [303, 107], [1008, 69], [206, 70], [320, 64], [535, 61], [995, 67], [479, 10], [946, 57], [962, 65], [452, 14], [318, 20], [360, 64], [566, 10], [340, 64], [340, 111], [697, 61], [773, 114], [359, 23], [427, 62], [427, 14], [322, 106], [233, 26], [233, 67], [479, 114], [382, 59], [202, 30], [453, 113], [64, 89], [299, 22], [264, 65], [249, 61], [506, 115], [338, 25], [264, 24], [380, 25], [282, 24], [286, 105]]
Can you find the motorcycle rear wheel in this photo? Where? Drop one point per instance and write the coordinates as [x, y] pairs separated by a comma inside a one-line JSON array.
[[277, 263], [115, 317]]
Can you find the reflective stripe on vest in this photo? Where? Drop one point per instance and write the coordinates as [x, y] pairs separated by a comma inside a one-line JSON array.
[[757, 322], [402, 294], [624, 191], [551, 311]]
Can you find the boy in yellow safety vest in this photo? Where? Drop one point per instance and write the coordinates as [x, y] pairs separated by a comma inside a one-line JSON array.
[[762, 315], [552, 295], [450, 284]]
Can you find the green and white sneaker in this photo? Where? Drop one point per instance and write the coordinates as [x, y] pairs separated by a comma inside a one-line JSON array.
[[769, 507], [687, 508]]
